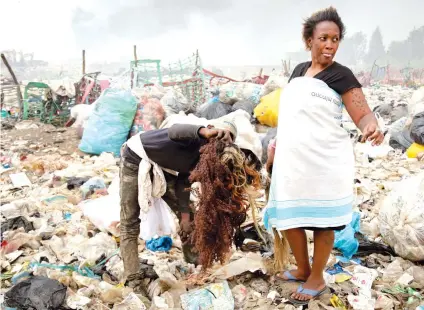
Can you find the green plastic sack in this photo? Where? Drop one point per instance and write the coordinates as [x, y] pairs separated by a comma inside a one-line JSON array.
[[108, 126]]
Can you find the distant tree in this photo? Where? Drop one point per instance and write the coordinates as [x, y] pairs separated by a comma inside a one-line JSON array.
[[410, 50], [376, 48], [352, 49], [396, 52], [416, 43]]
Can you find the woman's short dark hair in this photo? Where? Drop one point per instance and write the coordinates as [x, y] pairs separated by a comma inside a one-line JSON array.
[[327, 15]]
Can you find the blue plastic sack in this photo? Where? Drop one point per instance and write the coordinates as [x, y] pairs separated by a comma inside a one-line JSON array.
[[161, 244], [345, 239], [108, 127]]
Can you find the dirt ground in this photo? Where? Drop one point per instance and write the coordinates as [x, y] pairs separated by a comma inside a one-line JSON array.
[[38, 139]]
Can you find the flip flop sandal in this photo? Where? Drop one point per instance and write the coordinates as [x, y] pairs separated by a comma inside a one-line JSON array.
[[305, 291], [289, 277]]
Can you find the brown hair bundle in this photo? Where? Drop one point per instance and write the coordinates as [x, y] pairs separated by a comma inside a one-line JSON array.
[[223, 198]]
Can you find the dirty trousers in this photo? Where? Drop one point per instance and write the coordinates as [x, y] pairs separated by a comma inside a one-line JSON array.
[[176, 197]]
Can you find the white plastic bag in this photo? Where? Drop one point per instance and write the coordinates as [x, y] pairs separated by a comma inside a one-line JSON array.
[[158, 221], [103, 212], [402, 218], [174, 102], [274, 82]]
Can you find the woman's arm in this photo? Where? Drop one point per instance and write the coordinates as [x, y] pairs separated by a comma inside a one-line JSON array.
[[181, 132], [361, 114], [186, 132]]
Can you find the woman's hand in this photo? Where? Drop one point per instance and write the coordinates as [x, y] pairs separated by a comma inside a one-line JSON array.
[[271, 153], [220, 134], [362, 116], [371, 132]]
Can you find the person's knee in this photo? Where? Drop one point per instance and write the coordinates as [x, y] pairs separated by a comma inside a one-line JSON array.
[[131, 228]]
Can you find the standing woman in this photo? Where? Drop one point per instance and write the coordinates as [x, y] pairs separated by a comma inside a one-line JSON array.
[[313, 171]]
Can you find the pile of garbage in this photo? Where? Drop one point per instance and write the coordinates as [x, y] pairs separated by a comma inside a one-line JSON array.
[[60, 213]]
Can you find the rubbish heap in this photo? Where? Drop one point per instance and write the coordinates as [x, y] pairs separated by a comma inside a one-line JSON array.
[[60, 213]]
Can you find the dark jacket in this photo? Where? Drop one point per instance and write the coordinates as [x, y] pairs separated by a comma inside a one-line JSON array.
[[176, 148]]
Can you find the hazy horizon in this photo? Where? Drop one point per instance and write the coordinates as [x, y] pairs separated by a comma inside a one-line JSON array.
[[226, 33]]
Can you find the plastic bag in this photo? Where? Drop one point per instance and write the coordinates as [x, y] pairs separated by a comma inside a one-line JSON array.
[[417, 96], [393, 271], [154, 91], [149, 116], [81, 113], [273, 83], [131, 302], [108, 127], [213, 110], [15, 223], [93, 248], [159, 221], [173, 102], [216, 296], [398, 112], [267, 110], [244, 105], [37, 293], [104, 213], [417, 128], [398, 125], [161, 244], [384, 109], [401, 140], [402, 218], [345, 239], [91, 186], [414, 150], [232, 92]]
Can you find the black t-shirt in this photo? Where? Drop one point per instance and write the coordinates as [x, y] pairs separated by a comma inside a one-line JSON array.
[[336, 76]]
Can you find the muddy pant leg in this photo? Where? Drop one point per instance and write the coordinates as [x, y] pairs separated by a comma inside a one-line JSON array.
[[130, 221], [178, 199]]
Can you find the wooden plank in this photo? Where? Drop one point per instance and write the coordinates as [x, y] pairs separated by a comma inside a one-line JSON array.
[[18, 91], [135, 55], [83, 62]]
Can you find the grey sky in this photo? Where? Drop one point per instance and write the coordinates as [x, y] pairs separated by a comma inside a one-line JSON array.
[[238, 32]]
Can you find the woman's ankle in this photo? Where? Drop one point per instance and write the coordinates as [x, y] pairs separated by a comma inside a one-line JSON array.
[[316, 277], [300, 272]]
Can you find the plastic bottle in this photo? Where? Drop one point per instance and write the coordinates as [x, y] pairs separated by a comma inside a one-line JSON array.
[[414, 150]]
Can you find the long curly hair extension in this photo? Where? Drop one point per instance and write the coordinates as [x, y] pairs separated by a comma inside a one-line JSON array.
[[226, 177]]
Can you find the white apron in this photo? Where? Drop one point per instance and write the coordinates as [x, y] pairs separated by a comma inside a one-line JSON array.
[[313, 171]]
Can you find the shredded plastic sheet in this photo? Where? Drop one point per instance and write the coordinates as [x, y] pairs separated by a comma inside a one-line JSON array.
[[216, 296]]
